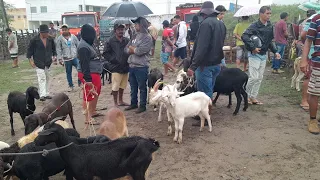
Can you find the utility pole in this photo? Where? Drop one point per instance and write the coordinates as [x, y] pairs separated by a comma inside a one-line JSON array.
[[259, 2], [235, 8], [4, 14], [168, 6]]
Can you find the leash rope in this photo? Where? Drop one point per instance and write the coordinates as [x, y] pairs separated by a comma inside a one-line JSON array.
[[49, 115], [44, 152], [90, 124]]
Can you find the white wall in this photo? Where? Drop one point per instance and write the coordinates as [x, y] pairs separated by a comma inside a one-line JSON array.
[[156, 20]]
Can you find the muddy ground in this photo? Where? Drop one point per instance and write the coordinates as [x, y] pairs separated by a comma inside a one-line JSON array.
[[266, 142]]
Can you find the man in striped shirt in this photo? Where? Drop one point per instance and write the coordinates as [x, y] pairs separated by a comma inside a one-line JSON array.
[[313, 36]]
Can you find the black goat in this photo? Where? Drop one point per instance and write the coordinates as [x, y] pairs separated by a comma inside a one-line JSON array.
[[22, 104], [109, 160], [37, 167], [60, 105], [154, 75], [185, 84], [105, 72], [232, 80]]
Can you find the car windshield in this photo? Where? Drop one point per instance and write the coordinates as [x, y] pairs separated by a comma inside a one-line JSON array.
[[188, 18], [77, 21]]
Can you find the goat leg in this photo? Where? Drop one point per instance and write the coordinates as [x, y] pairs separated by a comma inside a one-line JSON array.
[[11, 122], [230, 101], [239, 98], [245, 98], [216, 98]]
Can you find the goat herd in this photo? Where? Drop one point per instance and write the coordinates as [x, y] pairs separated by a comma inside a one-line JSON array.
[[54, 147]]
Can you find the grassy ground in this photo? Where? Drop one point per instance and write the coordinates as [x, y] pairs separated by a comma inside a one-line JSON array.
[[19, 79]]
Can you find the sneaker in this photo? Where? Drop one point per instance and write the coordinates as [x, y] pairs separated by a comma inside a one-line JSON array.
[[70, 89], [280, 71], [141, 109], [48, 97], [42, 99], [313, 126], [131, 107], [275, 71]]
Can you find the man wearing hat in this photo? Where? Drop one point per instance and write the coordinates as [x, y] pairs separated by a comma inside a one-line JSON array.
[[118, 62], [139, 48], [67, 45], [208, 53], [41, 51]]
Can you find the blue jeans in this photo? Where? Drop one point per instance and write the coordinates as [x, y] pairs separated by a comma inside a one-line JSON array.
[[68, 65], [277, 62], [138, 77], [206, 79]]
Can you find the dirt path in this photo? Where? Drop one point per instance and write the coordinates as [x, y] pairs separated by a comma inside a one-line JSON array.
[[266, 142]]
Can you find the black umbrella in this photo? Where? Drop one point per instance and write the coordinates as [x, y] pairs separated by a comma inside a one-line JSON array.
[[127, 9]]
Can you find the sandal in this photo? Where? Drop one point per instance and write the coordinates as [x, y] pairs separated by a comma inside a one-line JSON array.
[[306, 108], [249, 101], [257, 103], [124, 104], [97, 115], [92, 122]]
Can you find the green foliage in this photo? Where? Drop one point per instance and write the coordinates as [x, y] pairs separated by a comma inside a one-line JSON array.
[[292, 10], [6, 6]]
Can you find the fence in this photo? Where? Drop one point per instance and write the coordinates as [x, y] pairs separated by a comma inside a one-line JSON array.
[[23, 39]]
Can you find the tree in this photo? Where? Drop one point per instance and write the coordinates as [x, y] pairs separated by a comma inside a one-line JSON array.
[[6, 6]]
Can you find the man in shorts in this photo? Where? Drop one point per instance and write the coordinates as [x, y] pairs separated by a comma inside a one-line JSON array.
[[13, 47], [181, 40], [118, 60], [242, 53], [314, 86], [167, 46]]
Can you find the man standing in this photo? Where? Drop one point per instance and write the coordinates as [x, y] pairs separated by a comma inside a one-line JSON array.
[[13, 47], [206, 59], [41, 51], [167, 46], [139, 62], [114, 53], [67, 45], [221, 11], [258, 39], [281, 34], [242, 53], [313, 88], [154, 34], [181, 40], [52, 31]]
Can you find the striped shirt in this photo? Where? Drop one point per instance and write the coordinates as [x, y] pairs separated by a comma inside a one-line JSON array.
[[314, 35]]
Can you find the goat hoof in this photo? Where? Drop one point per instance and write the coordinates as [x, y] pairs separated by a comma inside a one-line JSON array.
[[298, 90], [210, 129], [179, 141], [244, 109], [235, 113], [175, 139], [229, 106], [155, 109], [201, 129], [13, 133]]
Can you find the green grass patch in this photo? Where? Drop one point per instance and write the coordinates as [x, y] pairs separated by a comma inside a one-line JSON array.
[[19, 79]]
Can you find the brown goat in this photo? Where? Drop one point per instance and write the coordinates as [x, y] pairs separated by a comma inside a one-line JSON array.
[[114, 125], [59, 106]]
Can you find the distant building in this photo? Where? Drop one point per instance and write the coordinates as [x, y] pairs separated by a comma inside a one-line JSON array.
[[46, 11], [18, 17]]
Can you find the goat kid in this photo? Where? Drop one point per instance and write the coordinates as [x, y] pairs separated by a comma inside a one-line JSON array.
[[108, 160], [59, 106], [154, 75], [152, 93], [22, 104], [114, 125], [186, 106], [298, 74]]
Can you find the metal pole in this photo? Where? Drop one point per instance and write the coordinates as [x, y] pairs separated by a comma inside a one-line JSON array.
[[235, 9], [259, 2], [4, 14]]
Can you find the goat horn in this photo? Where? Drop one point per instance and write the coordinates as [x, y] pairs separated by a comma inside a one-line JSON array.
[[157, 84], [57, 119]]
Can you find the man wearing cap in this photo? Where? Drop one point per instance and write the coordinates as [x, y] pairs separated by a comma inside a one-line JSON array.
[[41, 51], [67, 45], [139, 48], [208, 53], [167, 46], [118, 62], [258, 39]]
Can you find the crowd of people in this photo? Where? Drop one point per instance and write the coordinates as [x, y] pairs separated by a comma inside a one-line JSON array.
[[128, 53]]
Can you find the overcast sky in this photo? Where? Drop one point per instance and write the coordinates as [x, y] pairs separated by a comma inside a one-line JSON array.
[[160, 6]]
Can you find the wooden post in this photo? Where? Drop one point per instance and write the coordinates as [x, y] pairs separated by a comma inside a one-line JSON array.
[[4, 14]]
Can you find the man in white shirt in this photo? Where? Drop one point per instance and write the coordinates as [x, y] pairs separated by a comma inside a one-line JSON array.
[[181, 40]]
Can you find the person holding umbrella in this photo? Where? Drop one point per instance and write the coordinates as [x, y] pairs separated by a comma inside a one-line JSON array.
[[139, 48]]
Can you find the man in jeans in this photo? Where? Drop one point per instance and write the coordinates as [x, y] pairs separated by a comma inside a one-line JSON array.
[[41, 51], [181, 40], [139, 48], [118, 62], [206, 59], [281, 33], [67, 45], [313, 87], [258, 39]]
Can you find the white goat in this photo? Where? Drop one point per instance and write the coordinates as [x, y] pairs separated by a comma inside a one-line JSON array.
[[154, 92], [179, 108], [3, 145]]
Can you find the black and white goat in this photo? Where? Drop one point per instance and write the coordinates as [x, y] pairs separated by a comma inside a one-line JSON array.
[[232, 80], [110, 160], [185, 84], [21, 103]]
